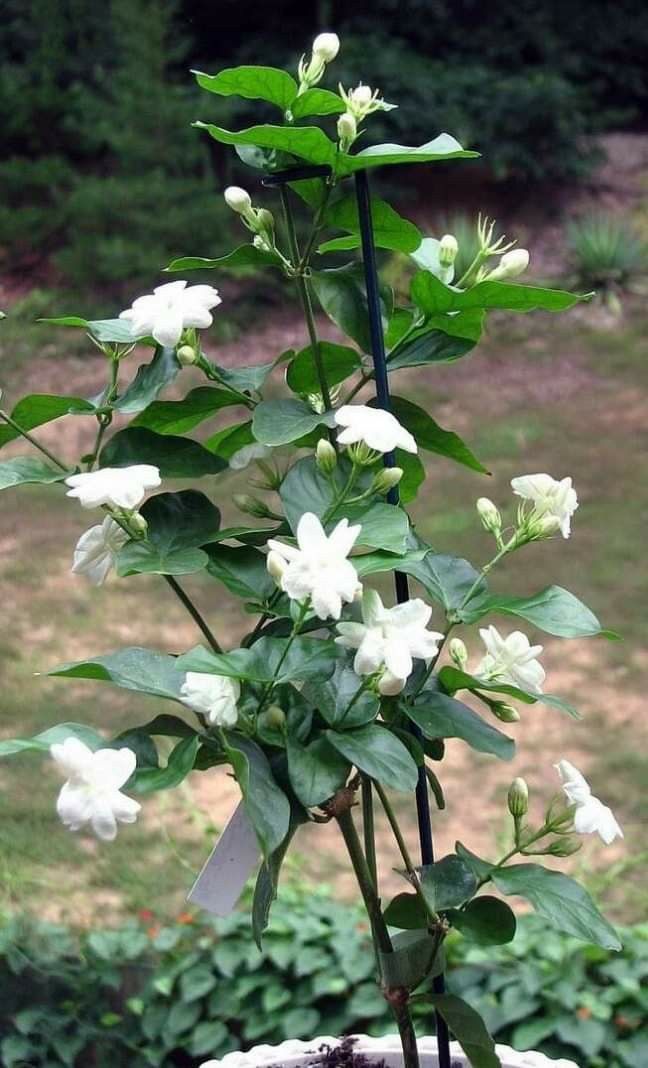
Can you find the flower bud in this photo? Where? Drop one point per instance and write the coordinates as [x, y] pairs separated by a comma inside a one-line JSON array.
[[489, 515], [564, 847], [251, 505], [547, 525], [386, 479], [276, 565], [361, 97], [347, 128], [137, 523], [264, 221], [238, 200], [325, 456], [326, 46], [274, 718], [518, 798], [187, 356], [510, 265], [390, 685], [505, 713], [458, 653], [361, 454], [448, 249]]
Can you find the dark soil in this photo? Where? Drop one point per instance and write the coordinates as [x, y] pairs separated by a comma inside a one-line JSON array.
[[342, 1056]]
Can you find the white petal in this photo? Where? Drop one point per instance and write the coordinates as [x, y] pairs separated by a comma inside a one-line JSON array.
[[370, 654], [310, 533], [111, 768], [168, 326], [74, 805], [397, 658], [326, 603], [72, 757], [343, 537]]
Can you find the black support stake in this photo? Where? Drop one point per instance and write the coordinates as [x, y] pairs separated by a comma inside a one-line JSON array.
[[400, 580]]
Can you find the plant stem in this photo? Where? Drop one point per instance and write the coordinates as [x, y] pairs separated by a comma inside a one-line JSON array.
[[368, 829], [297, 625], [32, 440], [193, 612], [404, 851]]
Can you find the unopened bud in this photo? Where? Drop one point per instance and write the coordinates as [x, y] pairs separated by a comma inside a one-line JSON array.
[[547, 525], [274, 718], [326, 46], [564, 847], [325, 456], [361, 97], [510, 265], [276, 565], [448, 249], [518, 798], [347, 128], [187, 356], [137, 523], [238, 200], [264, 221], [505, 713], [489, 515], [251, 505], [458, 652], [386, 479], [390, 685]]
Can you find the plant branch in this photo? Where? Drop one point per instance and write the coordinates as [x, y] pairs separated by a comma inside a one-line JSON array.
[[193, 612], [32, 440]]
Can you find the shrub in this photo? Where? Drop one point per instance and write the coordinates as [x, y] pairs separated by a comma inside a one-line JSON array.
[[606, 253]]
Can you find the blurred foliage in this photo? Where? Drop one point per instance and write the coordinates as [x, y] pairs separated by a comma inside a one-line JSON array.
[[103, 177], [151, 995], [606, 253]]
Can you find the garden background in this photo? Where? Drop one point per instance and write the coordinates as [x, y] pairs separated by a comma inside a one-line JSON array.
[[102, 182]]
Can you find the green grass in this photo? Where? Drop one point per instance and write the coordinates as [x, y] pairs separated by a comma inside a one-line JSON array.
[[545, 394]]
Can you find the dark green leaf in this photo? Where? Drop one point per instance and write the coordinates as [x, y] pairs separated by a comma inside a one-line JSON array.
[[431, 436], [373, 563], [430, 346], [52, 736], [448, 579], [486, 921], [132, 669], [241, 257], [110, 331], [168, 727], [267, 660], [177, 417], [339, 362], [406, 911], [196, 982], [24, 469], [265, 803], [181, 761], [411, 960], [442, 147], [565, 904], [305, 142], [252, 83], [390, 229], [175, 457], [341, 293], [441, 716], [40, 408], [265, 888], [554, 610], [277, 422], [151, 378], [377, 752], [229, 440], [184, 520], [333, 697], [480, 868], [452, 680], [316, 770], [242, 570], [413, 475], [448, 883], [249, 379], [432, 296], [143, 558], [468, 1028]]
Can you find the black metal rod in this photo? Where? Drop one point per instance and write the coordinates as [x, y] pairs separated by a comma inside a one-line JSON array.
[[401, 583]]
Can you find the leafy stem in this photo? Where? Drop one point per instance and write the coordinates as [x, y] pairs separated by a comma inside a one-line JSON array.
[[405, 853], [32, 440], [297, 626]]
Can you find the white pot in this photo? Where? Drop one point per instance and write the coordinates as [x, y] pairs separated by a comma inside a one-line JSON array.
[[297, 1054]]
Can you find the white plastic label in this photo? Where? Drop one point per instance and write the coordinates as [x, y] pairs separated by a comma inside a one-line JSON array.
[[228, 867]]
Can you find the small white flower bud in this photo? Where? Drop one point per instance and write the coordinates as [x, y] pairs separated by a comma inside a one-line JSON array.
[[264, 221], [448, 249], [325, 456], [386, 479], [361, 97], [547, 525], [518, 798], [510, 265], [505, 713], [238, 200], [565, 847], [137, 523], [187, 356], [326, 46], [276, 565], [347, 128], [489, 515], [458, 653], [390, 685]]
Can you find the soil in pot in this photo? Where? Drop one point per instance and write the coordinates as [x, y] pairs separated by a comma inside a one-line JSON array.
[[343, 1056]]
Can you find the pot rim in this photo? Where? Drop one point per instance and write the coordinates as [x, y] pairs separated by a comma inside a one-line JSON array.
[[292, 1051]]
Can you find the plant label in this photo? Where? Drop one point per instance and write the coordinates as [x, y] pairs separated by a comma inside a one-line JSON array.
[[228, 867]]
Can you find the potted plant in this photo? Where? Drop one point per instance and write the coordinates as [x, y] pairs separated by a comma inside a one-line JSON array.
[[334, 698]]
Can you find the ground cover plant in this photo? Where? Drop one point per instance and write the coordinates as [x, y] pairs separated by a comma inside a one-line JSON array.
[[318, 704]]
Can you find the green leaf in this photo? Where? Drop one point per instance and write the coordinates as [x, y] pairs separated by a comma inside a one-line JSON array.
[[565, 904], [241, 257], [413, 475], [110, 331], [452, 680], [448, 883], [277, 422], [305, 142], [196, 982], [24, 469], [339, 362], [480, 868], [441, 148], [440, 716], [269, 659], [39, 408], [486, 920], [406, 911], [265, 888], [181, 761], [242, 570], [374, 563], [468, 1028], [377, 752], [316, 770], [265, 803], [341, 293], [317, 102], [252, 83], [432, 296], [142, 558], [554, 610], [431, 346], [467, 324], [178, 523], [390, 229], [207, 1037], [411, 960], [41, 742], [168, 727], [249, 379], [229, 440], [448, 579], [332, 699], [151, 378], [431, 436], [177, 417], [175, 457], [134, 669]]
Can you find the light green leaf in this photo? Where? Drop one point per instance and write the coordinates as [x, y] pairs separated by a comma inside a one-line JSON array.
[[316, 770], [339, 362], [374, 563], [229, 440], [441, 716], [452, 679], [181, 761], [377, 752], [53, 735], [486, 920], [241, 257], [277, 422], [447, 883], [176, 457], [554, 610], [390, 229], [39, 408], [442, 147], [177, 417], [448, 579], [431, 436], [22, 469], [468, 1028], [413, 475], [565, 904], [317, 102], [252, 83], [131, 669], [150, 380], [305, 142], [433, 297], [111, 331], [248, 379], [266, 805]]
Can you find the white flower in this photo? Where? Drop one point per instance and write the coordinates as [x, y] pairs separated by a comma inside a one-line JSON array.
[[448, 250], [326, 46], [389, 639], [247, 454], [510, 265], [170, 309], [119, 487], [551, 499], [511, 660], [319, 568], [95, 551], [92, 792], [363, 100], [378, 429], [215, 696], [489, 515], [238, 199], [591, 814]]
